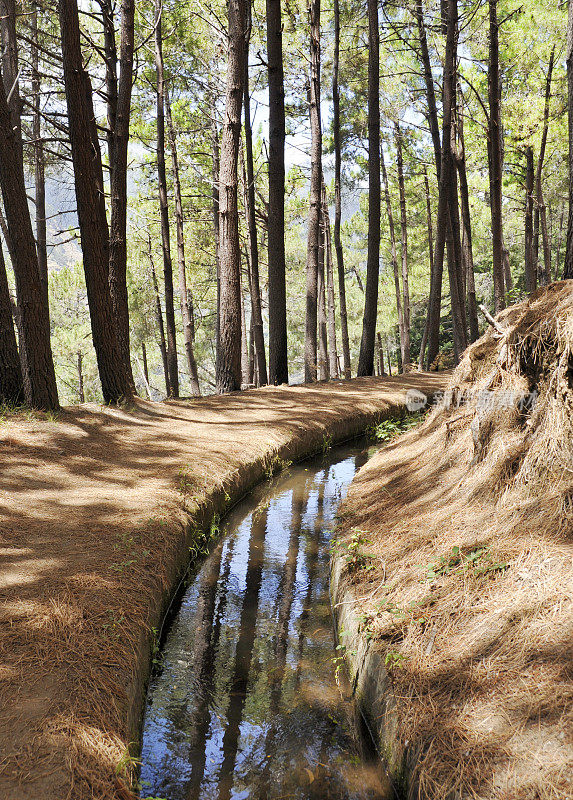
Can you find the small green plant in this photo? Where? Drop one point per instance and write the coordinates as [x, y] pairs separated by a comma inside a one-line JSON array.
[[410, 612], [275, 464], [130, 543], [326, 442], [393, 659], [354, 555], [392, 427], [339, 660], [113, 627], [127, 762], [477, 562]]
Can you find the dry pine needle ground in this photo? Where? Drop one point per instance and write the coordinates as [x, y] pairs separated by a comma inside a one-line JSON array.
[[464, 574]]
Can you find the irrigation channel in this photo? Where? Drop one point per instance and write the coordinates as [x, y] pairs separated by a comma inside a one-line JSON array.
[[250, 701]]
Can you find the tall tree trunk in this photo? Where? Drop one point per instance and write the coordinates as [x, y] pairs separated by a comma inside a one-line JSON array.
[[11, 382], [530, 264], [35, 350], [278, 352], [119, 109], [145, 368], [216, 163], [559, 241], [244, 343], [447, 210], [88, 174], [495, 157], [455, 262], [228, 366], [323, 364], [185, 298], [163, 206], [338, 195], [406, 360], [436, 276], [393, 249], [313, 243], [110, 58], [81, 395], [568, 265], [366, 357], [254, 287], [467, 244], [431, 259], [331, 306], [39, 162], [429, 81], [545, 273], [10, 70], [159, 318], [380, 354]]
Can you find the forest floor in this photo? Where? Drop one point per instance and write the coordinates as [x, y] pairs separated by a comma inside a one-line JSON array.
[[459, 549], [95, 510]]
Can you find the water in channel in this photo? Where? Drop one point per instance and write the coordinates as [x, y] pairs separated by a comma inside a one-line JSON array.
[[248, 703]]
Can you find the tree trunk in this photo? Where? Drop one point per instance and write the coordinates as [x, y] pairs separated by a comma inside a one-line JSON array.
[[81, 395], [313, 243], [530, 264], [254, 282], [406, 360], [216, 163], [467, 244], [90, 197], [380, 354], [323, 363], [431, 259], [278, 353], [545, 273], [331, 306], [568, 265], [455, 262], [159, 318], [164, 208], [119, 109], [495, 157], [110, 59], [10, 70], [35, 350], [244, 344], [447, 211], [228, 366], [393, 249], [39, 162], [145, 367], [366, 357], [429, 81], [338, 196], [436, 275], [39, 376], [184, 295], [559, 241], [11, 382]]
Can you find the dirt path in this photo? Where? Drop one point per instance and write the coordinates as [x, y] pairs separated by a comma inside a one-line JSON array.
[[97, 512]]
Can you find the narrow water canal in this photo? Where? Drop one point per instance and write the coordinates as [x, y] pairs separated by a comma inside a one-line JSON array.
[[247, 703]]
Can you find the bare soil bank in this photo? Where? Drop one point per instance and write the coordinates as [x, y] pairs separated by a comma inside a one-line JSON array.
[[454, 573], [98, 510]]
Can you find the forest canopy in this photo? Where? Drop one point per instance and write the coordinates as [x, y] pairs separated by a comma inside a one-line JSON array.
[[203, 197]]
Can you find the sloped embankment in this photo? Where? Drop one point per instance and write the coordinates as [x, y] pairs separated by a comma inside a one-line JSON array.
[[453, 575]]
